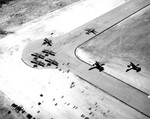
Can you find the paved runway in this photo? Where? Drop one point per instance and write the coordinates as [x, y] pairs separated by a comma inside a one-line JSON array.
[[123, 92], [66, 47]]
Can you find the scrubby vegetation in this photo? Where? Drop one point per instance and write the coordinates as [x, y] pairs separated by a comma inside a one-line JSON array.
[[5, 113], [4, 2], [15, 13], [3, 32]]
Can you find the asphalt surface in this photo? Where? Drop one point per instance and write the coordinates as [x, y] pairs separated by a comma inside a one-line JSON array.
[[120, 90], [67, 45]]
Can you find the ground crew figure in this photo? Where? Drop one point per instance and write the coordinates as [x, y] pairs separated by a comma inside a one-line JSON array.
[[134, 67]]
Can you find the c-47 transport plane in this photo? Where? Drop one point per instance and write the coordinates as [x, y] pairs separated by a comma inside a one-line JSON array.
[[98, 66], [134, 67], [36, 55], [50, 61], [48, 52], [36, 63], [48, 42], [90, 30]]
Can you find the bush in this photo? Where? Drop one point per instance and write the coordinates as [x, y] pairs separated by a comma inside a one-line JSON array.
[[4, 113], [4, 2], [3, 32]]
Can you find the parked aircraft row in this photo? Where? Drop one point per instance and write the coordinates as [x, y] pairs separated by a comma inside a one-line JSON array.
[[45, 52], [50, 61], [20, 109], [131, 66], [48, 52], [40, 63]]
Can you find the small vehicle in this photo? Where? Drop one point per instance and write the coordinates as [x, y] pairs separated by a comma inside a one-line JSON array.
[[47, 41], [90, 30], [29, 116], [48, 52]]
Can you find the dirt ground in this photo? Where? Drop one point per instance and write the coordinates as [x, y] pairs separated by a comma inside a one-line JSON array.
[[15, 13]]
